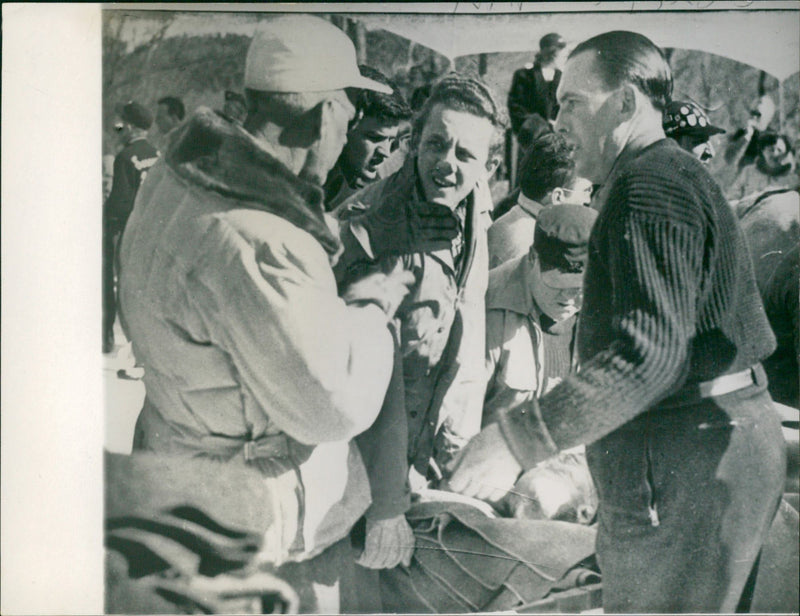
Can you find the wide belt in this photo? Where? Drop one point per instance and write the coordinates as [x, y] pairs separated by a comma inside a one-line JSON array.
[[728, 383], [720, 386]]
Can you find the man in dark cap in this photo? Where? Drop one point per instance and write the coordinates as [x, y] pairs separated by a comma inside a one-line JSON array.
[[689, 125], [533, 88], [130, 166]]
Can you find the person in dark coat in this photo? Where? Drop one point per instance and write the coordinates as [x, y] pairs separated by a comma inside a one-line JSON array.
[[130, 166], [533, 88], [671, 401]]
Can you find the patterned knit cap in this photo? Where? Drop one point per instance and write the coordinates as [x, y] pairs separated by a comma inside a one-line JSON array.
[[686, 118]]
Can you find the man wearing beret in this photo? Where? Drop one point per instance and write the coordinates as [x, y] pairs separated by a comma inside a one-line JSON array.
[[689, 125], [681, 435], [227, 292], [130, 166]]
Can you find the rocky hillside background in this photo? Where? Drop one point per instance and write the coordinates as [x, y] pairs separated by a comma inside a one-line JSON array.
[[199, 68]]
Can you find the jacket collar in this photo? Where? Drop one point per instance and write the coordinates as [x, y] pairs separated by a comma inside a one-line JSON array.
[[209, 151]]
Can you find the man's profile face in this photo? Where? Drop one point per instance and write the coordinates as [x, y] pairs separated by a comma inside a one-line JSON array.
[[369, 143], [164, 120], [578, 192], [322, 155], [585, 117], [452, 154], [698, 145]]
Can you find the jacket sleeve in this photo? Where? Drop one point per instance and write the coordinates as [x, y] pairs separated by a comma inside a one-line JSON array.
[[123, 190], [384, 448], [655, 271], [318, 367], [518, 100]]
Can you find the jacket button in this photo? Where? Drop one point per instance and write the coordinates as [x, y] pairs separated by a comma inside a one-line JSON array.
[[413, 413]]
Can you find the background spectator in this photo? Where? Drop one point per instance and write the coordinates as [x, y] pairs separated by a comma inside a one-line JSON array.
[[774, 167], [533, 88], [689, 125], [130, 166]]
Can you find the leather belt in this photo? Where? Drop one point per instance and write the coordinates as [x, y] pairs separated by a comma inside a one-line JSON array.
[[728, 383], [725, 384]]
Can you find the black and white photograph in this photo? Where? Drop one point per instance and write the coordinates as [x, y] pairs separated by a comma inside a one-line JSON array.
[[402, 308]]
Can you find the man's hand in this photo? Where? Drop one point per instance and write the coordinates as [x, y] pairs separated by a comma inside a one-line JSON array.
[[486, 468], [389, 543], [382, 289], [395, 229]]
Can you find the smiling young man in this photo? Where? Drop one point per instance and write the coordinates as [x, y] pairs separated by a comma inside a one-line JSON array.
[[681, 435], [371, 139], [430, 218]]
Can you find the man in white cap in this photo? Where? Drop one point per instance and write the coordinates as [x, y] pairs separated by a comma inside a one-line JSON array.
[[228, 295]]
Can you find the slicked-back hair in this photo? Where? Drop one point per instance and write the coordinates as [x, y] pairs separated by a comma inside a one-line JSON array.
[[628, 57], [174, 106], [376, 104], [547, 164], [469, 95]]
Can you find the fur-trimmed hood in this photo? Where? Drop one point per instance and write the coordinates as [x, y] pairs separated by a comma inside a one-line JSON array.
[[209, 151]]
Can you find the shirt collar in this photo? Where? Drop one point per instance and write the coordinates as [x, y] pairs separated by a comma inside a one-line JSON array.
[[530, 206]]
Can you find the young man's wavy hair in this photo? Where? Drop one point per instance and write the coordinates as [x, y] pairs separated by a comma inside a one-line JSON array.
[[628, 57], [469, 95], [369, 103]]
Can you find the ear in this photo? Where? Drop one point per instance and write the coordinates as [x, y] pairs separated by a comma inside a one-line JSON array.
[[557, 195], [492, 164], [627, 102]]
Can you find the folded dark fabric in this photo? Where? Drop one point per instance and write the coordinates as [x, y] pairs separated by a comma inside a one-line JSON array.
[[466, 561]]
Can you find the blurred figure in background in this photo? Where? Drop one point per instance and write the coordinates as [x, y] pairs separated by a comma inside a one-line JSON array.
[[169, 113], [533, 88], [547, 177], [235, 107], [743, 146], [130, 167], [689, 125], [371, 139], [775, 167]]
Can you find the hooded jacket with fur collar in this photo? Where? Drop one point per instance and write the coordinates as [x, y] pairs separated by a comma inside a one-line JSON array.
[[250, 356]]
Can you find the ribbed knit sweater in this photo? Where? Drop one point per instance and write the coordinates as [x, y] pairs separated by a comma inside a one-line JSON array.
[[670, 300]]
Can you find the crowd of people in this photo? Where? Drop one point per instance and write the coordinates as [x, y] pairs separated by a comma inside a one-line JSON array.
[[317, 284]]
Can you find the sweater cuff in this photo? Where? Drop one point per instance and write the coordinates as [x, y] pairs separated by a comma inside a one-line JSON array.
[[527, 435], [386, 508]]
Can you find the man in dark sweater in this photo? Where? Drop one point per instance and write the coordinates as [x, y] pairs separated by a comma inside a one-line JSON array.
[[682, 438]]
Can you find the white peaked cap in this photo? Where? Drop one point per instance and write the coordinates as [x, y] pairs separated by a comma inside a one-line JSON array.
[[302, 53]]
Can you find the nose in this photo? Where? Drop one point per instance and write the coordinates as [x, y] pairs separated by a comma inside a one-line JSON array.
[[384, 149], [447, 163]]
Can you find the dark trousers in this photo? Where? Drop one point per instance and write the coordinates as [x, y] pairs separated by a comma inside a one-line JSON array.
[[687, 496], [111, 235]]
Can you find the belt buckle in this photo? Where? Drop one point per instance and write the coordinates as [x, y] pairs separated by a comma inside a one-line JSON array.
[[249, 451]]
